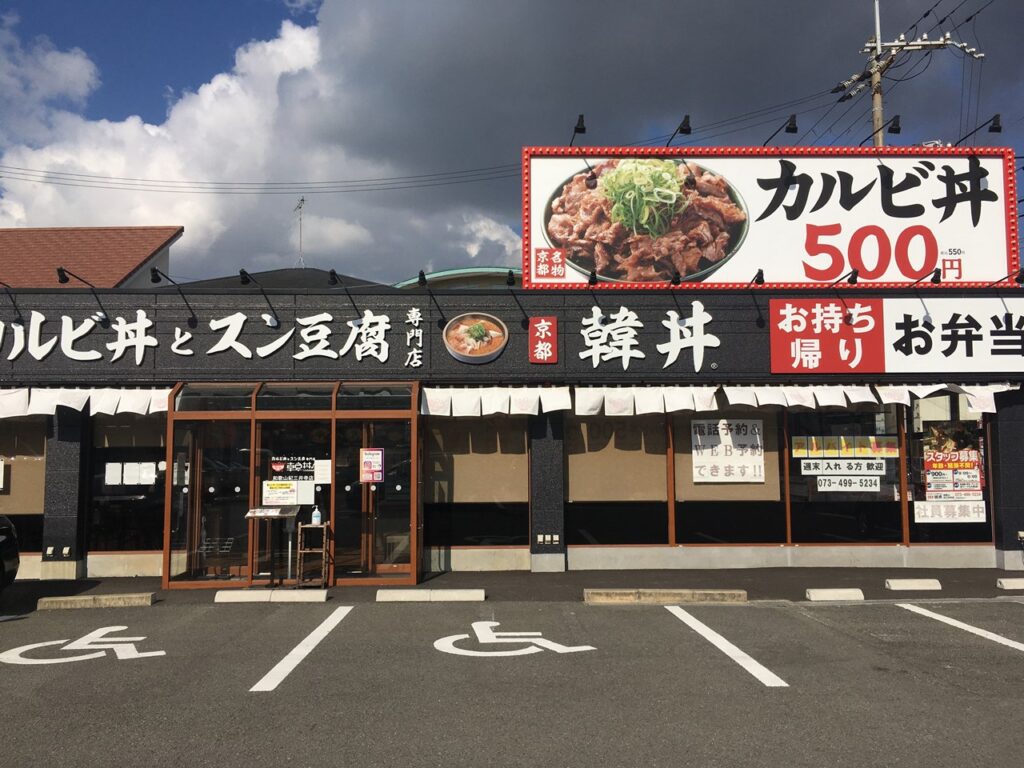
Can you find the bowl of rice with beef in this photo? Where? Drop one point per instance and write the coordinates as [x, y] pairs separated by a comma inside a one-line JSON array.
[[644, 220]]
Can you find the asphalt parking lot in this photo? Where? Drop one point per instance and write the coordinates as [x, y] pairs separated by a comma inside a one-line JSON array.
[[768, 683]]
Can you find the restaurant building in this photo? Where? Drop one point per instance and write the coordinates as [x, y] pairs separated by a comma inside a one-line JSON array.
[[593, 424]]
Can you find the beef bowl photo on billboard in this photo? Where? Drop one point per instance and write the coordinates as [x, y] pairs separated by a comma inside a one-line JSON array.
[[640, 220]]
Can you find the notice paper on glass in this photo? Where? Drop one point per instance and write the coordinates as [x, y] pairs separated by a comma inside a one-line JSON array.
[[727, 450], [147, 473], [130, 475], [949, 512], [849, 483], [280, 492], [306, 490], [322, 471], [112, 473], [371, 465]]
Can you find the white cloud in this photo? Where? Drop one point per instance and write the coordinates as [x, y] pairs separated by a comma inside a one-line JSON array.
[[271, 117], [35, 76], [326, 236], [483, 235]]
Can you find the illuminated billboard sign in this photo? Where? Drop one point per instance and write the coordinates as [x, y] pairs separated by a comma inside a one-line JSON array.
[[640, 218]]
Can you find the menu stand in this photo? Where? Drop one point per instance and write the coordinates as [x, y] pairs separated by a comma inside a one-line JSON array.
[[305, 548], [286, 514]]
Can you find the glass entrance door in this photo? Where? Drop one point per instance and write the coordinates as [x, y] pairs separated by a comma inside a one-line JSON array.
[[209, 496], [373, 503]]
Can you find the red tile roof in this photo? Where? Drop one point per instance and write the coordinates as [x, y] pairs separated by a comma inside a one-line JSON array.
[[105, 256]]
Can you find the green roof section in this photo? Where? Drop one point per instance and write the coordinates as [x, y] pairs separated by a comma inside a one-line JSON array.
[[486, 275]]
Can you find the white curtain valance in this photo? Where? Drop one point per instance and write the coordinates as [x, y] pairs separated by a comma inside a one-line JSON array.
[[677, 399], [158, 400], [829, 396], [555, 399], [897, 394], [801, 396], [524, 401], [618, 401], [493, 400], [436, 402], [770, 396], [740, 395], [13, 402], [648, 400], [589, 400], [134, 401], [104, 401], [465, 402], [704, 398]]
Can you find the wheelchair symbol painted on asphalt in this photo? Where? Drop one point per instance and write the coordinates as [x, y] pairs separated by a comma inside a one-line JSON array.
[[96, 642], [485, 635]]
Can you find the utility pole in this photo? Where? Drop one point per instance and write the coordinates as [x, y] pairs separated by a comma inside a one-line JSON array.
[[882, 56], [302, 202], [877, 116]]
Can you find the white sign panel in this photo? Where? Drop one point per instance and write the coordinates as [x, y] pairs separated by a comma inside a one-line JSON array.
[[842, 467], [980, 335], [848, 483], [280, 492], [949, 511], [805, 216], [727, 450]]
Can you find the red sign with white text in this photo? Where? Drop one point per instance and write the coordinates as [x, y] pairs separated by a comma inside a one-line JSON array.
[[544, 340], [827, 335]]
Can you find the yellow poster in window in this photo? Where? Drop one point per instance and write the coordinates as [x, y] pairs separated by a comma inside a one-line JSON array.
[[799, 449], [815, 447], [830, 448], [888, 447], [846, 446], [864, 446]]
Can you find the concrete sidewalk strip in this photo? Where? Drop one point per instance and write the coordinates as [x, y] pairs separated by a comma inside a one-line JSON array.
[[834, 595], [270, 596], [913, 585], [431, 596], [1009, 583], [134, 600], [662, 596]]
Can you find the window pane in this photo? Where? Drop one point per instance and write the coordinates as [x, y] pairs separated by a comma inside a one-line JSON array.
[[290, 453], [126, 501], [477, 482], [23, 455], [844, 475], [617, 473], [214, 397], [949, 487], [375, 397], [285, 397], [209, 479], [616, 458]]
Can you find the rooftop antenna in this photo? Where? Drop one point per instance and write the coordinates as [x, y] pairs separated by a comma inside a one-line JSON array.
[[298, 207]]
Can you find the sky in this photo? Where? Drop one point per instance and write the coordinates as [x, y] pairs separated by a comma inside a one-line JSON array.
[[401, 122]]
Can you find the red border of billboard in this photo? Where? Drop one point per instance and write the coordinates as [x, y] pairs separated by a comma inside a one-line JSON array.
[[1009, 183]]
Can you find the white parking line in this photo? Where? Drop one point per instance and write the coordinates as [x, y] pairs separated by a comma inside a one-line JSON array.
[[295, 656], [965, 627], [759, 671]]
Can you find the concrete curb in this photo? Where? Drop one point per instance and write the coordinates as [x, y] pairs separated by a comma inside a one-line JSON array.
[[833, 595], [1009, 583], [662, 596], [134, 600], [270, 596], [914, 585], [431, 596]]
